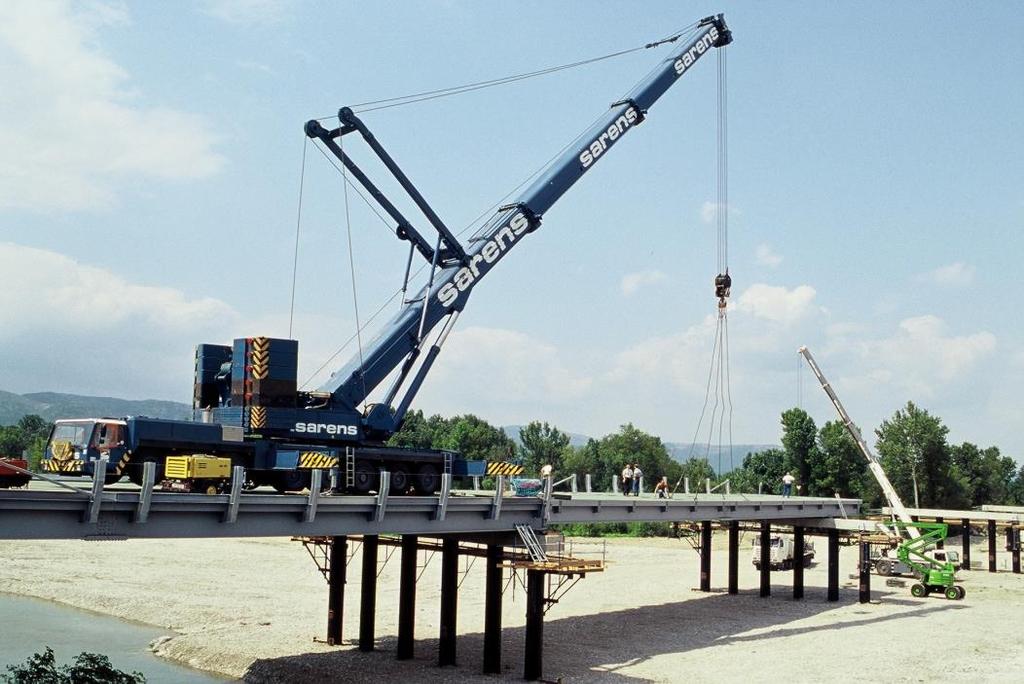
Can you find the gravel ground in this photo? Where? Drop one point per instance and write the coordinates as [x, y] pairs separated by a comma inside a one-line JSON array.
[[254, 608]]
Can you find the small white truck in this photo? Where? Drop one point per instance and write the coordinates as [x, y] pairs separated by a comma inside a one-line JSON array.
[[782, 553]]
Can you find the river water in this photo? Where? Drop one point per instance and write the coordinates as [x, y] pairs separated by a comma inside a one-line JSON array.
[[28, 626]]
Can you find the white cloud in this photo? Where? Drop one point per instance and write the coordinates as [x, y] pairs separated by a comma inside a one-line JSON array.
[[71, 125], [777, 303], [631, 282], [956, 274], [248, 11], [921, 356], [498, 372], [74, 327], [709, 211], [767, 257]]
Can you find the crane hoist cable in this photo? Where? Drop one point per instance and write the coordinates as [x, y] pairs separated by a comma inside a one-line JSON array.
[[719, 384]]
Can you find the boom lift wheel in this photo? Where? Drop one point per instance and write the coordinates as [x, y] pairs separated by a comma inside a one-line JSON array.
[[952, 593], [961, 592], [918, 590]]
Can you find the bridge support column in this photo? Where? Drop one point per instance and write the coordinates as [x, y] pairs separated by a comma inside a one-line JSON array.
[[798, 563], [407, 597], [941, 543], [534, 660], [336, 589], [965, 557], [368, 592], [991, 545], [734, 556], [865, 571], [492, 609], [449, 600], [1013, 546], [833, 565], [766, 556], [705, 555]]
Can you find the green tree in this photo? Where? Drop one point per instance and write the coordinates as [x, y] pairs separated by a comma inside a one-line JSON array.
[[761, 470], [416, 432], [840, 466], [987, 476], [913, 450], [475, 439], [87, 668], [799, 439], [542, 444]]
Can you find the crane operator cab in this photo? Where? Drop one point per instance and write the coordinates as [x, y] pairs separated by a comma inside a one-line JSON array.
[[75, 446]]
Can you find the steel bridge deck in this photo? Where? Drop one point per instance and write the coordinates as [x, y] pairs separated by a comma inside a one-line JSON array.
[[121, 514]]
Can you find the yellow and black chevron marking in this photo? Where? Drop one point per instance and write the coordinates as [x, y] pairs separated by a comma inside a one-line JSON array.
[[260, 358], [314, 459], [122, 463], [257, 417], [494, 469], [54, 466]]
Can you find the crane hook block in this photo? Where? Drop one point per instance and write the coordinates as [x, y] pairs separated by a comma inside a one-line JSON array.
[[723, 285]]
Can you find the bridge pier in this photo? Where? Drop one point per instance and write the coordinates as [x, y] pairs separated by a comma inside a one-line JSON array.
[[965, 558], [492, 608], [705, 555], [865, 571], [368, 592], [798, 562], [734, 556], [534, 658], [1013, 542], [766, 555], [449, 600], [336, 589], [407, 597], [991, 545], [833, 565]]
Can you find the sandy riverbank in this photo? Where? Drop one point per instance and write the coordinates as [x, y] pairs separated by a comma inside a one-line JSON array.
[[252, 608]]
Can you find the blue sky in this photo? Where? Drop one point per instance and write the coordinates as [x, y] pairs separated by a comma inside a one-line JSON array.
[[152, 153]]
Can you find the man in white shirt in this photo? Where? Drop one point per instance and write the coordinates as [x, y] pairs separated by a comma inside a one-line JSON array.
[[787, 484], [627, 480]]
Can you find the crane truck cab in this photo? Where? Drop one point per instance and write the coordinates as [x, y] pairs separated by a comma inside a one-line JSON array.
[[75, 446]]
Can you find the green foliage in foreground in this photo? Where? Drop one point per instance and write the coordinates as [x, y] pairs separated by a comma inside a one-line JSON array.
[[87, 668]]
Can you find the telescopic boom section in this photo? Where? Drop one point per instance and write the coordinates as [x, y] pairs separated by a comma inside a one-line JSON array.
[[400, 342], [873, 462]]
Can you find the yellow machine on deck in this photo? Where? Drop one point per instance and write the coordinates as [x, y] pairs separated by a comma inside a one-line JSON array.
[[197, 473]]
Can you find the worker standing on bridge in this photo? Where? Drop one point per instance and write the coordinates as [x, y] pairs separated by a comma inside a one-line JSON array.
[[787, 484], [627, 480], [637, 474]]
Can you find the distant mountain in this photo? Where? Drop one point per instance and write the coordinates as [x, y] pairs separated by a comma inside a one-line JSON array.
[[681, 452], [53, 405]]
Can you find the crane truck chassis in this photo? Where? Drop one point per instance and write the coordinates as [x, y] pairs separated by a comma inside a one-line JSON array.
[[246, 404]]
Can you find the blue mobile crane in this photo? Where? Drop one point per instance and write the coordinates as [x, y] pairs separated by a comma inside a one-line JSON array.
[[247, 407]]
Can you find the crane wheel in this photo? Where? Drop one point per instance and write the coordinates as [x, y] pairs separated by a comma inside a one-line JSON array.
[[884, 568], [366, 477], [428, 480], [399, 481], [918, 590]]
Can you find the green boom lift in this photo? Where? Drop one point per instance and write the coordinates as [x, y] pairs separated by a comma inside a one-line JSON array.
[[934, 576]]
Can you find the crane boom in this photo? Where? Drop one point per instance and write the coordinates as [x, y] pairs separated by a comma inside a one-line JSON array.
[[456, 270], [874, 464]]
